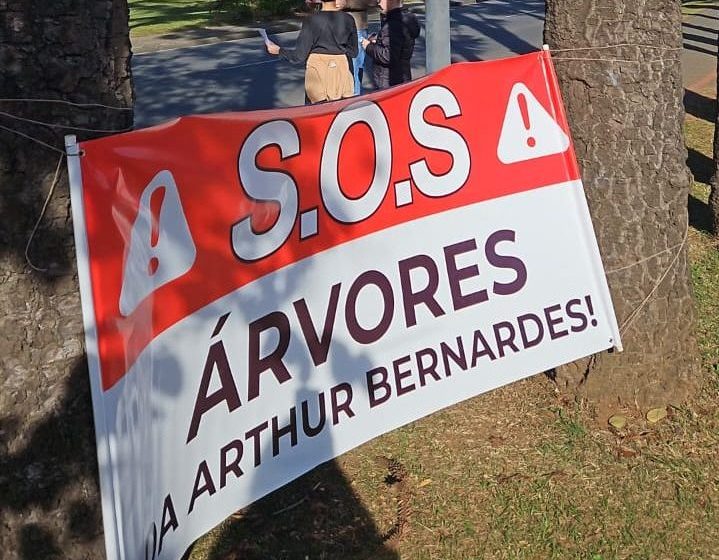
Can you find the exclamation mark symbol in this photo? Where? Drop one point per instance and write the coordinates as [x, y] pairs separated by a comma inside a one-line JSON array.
[[590, 308], [156, 199], [524, 110]]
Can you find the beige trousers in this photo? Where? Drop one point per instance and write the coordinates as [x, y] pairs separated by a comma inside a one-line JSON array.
[[328, 77]]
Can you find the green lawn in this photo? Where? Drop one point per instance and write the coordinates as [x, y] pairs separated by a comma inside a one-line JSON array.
[[155, 17]]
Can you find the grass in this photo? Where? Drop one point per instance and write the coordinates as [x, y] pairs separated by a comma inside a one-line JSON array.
[[156, 17], [161, 17], [480, 484], [517, 473]]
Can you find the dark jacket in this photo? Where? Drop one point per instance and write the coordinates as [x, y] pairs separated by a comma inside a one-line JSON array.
[[392, 51]]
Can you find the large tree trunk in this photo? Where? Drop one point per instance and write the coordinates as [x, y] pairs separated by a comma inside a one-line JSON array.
[[78, 51], [625, 113], [714, 193]]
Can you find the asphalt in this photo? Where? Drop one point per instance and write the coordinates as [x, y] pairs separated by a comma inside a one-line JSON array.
[[699, 33], [222, 33], [233, 72], [226, 69], [699, 57]]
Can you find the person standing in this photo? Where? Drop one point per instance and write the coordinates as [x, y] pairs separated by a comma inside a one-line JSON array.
[[327, 43], [392, 50], [358, 10]]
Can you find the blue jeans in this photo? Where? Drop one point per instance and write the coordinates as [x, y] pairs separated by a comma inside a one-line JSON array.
[[358, 63]]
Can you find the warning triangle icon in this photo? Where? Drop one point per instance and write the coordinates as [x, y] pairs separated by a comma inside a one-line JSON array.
[[529, 131]]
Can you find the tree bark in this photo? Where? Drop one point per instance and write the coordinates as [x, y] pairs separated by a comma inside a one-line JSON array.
[[625, 113], [77, 51]]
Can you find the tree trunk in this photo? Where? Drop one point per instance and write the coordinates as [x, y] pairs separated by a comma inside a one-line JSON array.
[[625, 113], [714, 192], [78, 51]]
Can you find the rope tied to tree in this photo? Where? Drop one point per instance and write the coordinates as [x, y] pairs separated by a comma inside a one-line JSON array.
[[635, 313], [55, 181]]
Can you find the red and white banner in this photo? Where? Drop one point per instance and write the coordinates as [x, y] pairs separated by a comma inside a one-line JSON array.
[[264, 291]]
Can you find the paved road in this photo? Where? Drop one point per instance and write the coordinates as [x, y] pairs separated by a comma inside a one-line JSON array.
[[239, 75], [700, 49]]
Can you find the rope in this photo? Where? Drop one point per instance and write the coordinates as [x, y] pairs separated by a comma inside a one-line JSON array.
[[63, 102], [634, 314], [618, 45], [604, 47], [42, 215], [645, 259], [68, 127], [563, 58], [33, 139]]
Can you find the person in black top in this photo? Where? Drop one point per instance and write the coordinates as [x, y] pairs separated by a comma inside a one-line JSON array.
[[392, 50], [327, 43]]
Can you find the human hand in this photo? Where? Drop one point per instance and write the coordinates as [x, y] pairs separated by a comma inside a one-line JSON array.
[[272, 48]]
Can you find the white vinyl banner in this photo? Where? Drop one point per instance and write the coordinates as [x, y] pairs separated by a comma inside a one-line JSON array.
[[257, 317]]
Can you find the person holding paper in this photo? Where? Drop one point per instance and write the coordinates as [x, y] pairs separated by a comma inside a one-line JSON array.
[[327, 43]]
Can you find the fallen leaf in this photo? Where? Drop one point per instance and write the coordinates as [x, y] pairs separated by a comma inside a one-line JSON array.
[[425, 482], [656, 414], [496, 441], [618, 421], [623, 451]]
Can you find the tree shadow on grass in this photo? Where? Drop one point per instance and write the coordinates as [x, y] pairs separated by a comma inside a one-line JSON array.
[[700, 216], [317, 516], [699, 106], [701, 166]]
